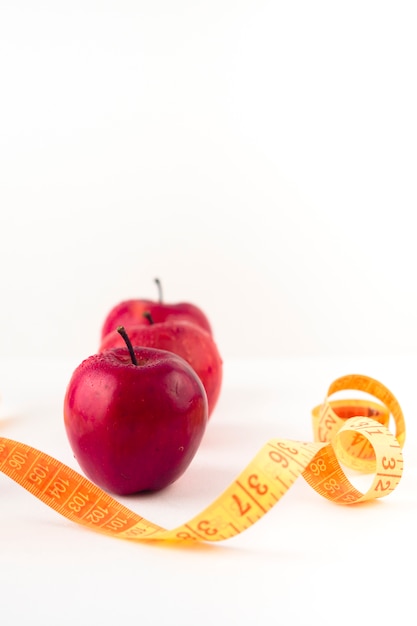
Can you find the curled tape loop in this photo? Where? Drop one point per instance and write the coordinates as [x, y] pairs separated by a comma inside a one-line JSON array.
[[352, 433]]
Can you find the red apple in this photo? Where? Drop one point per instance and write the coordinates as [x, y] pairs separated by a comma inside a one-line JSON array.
[[189, 341], [130, 313], [134, 418]]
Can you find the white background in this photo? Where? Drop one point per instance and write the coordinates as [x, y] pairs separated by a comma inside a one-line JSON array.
[[260, 159]]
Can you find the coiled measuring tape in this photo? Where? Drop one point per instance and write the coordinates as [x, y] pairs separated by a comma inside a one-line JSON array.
[[347, 434]]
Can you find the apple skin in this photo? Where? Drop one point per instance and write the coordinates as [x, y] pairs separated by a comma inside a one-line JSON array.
[[189, 341], [131, 313], [134, 428]]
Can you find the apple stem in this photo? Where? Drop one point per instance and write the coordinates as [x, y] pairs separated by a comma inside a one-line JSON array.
[[121, 330], [149, 317], [158, 282]]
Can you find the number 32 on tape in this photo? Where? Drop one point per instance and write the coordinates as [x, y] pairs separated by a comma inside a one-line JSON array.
[[351, 433]]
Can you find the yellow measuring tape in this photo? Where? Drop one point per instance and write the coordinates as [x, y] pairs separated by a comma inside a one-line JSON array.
[[348, 433]]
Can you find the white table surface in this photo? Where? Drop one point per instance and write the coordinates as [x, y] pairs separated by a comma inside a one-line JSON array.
[[307, 561]]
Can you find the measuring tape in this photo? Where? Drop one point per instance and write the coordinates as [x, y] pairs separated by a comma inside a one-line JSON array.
[[348, 434]]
